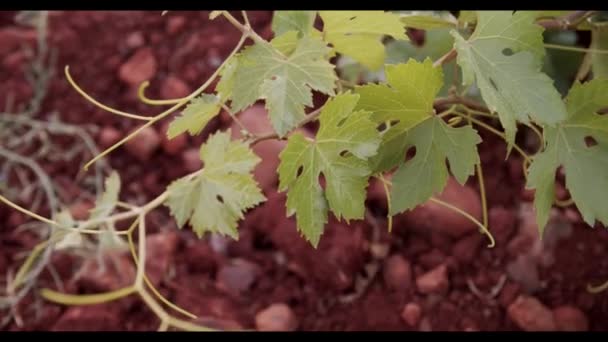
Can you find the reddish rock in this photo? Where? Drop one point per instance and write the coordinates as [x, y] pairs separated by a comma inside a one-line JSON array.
[[502, 224], [466, 248], [12, 38], [108, 136], [80, 211], [277, 317], [192, 159], [433, 216], [100, 317], [144, 144], [397, 273], [529, 314], [175, 24], [173, 146], [135, 40], [508, 294], [434, 281], [238, 276], [432, 259], [411, 314], [160, 249], [139, 68], [173, 87], [569, 318], [117, 271]]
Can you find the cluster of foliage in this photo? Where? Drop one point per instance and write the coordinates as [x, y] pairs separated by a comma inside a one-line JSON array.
[[383, 98]]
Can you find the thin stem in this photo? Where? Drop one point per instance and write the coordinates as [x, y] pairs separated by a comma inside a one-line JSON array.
[[449, 56], [566, 22], [597, 289], [482, 191], [70, 299], [27, 212], [564, 203], [246, 18], [99, 104], [388, 202], [483, 228], [245, 29], [170, 110], [141, 236], [142, 97], [158, 310], [575, 49]]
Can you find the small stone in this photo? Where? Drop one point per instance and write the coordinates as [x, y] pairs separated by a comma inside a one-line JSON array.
[[160, 249], [411, 314], [174, 87], [466, 248], [135, 40], [192, 160], [139, 68], [144, 144], [397, 273], [238, 276], [101, 317], [508, 294], [434, 216], [81, 210], [108, 136], [173, 146], [175, 24], [431, 259], [434, 281], [277, 317], [529, 314], [503, 223], [569, 318]]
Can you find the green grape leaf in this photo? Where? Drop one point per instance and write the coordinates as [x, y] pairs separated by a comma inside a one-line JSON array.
[[69, 238], [195, 116], [426, 174], [358, 34], [504, 56], [345, 139], [214, 199], [226, 83], [584, 166], [285, 82], [599, 42], [406, 101], [428, 20], [300, 21], [105, 204]]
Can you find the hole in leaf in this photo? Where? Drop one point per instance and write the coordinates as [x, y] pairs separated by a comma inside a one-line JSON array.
[[300, 170], [493, 84], [322, 181], [381, 127], [341, 122], [273, 78], [507, 52], [394, 123], [352, 18], [344, 153], [219, 198], [410, 153], [590, 141]]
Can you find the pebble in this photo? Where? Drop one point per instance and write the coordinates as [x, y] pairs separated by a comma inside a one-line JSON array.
[[80, 211], [411, 314], [174, 87], [160, 249], [465, 249], [192, 159], [434, 281], [502, 223], [433, 216], [175, 24], [135, 40], [108, 136], [397, 273], [144, 144], [173, 146], [238, 276], [569, 318], [140, 67], [277, 317], [529, 314]]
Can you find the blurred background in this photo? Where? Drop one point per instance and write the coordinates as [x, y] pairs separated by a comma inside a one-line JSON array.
[[432, 272]]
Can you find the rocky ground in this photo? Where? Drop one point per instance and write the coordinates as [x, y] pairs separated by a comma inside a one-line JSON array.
[[433, 272]]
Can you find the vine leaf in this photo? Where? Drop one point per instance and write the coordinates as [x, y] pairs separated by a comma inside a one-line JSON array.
[[404, 102], [428, 20], [214, 199], [426, 174], [300, 21], [195, 116], [345, 139], [504, 56], [584, 165], [358, 34], [407, 102], [284, 81], [105, 204]]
